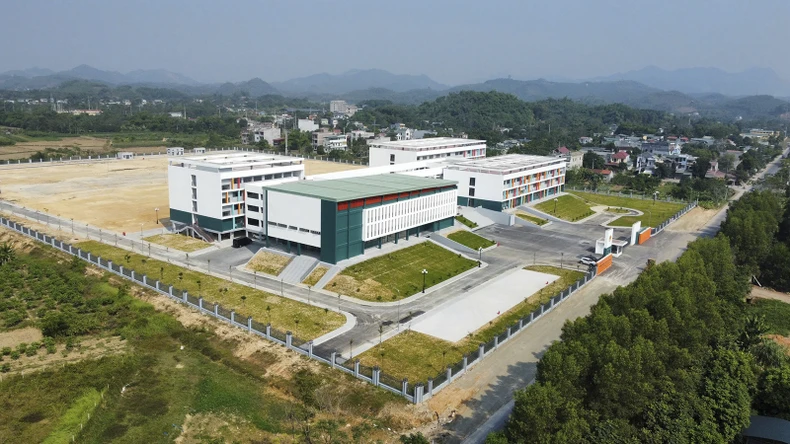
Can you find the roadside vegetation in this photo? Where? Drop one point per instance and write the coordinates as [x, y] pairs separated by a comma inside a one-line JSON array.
[[465, 221], [268, 262], [315, 275], [655, 212], [398, 275], [539, 221], [171, 381], [418, 356], [304, 321], [178, 242], [566, 207], [682, 327], [471, 240]]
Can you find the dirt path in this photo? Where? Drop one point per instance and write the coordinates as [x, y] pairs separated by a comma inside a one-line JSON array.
[[693, 221], [767, 293]]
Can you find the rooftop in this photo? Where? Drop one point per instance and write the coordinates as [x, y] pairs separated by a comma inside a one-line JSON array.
[[432, 143], [341, 190], [228, 160], [506, 164]]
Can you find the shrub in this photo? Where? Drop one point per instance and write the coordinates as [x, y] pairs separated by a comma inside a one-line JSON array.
[[15, 355]]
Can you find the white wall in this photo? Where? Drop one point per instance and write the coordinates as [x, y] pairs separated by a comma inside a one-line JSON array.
[[381, 156], [487, 186], [209, 197], [292, 210], [399, 216]]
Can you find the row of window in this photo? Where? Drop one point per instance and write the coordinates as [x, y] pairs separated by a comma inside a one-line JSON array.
[[291, 227]]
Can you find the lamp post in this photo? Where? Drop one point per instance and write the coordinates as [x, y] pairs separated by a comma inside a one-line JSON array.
[[157, 215], [480, 256], [141, 237], [72, 225], [555, 205], [99, 234], [424, 273], [255, 278], [397, 321], [58, 222], [308, 294], [87, 234], [230, 271], [562, 257], [650, 218], [208, 266]]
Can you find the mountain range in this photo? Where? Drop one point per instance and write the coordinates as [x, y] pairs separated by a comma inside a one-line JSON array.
[[705, 90]]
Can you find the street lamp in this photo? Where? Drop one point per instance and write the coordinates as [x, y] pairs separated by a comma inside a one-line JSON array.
[[99, 234], [87, 234], [72, 225], [555, 205], [562, 257], [308, 294], [480, 257], [141, 237], [255, 278], [397, 321], [230, 271], [58, 222], [157, 215], [424, 273]]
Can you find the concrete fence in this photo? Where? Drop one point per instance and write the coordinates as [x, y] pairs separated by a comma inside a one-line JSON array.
[[675, 217], [373, 375]]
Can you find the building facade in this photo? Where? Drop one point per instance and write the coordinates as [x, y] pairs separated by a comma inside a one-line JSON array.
[[406, 151], [341, 218], [208, 191], [503, 182]]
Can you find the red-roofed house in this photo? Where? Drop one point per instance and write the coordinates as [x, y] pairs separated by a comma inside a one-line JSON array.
[[620, 157], [607, 174], [562, 150]]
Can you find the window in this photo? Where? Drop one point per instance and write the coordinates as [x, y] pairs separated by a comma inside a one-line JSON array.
[[253, 222], [253, 195], [194, 206], [471, 192], [194, 180], [471, 181], [392, 158], [253, 209], [194, 193]]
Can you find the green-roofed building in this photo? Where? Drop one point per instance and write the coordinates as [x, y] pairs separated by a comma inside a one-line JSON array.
[[343, 217]]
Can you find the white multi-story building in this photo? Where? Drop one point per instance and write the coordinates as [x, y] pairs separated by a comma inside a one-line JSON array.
[[338, 106], [336, 142], [502, 182], [208, 191], [307, 125], [175, 151], [405, 151]]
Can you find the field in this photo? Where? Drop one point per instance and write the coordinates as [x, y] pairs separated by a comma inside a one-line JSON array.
[[398, 275], [315, 275], [470, 240], [568, 208], [654, 212], [284, 314], [178, 242], [530, 218], [268, 262], [115, 195], [194, 381], [26, 146], [776, 314], [419, 356]]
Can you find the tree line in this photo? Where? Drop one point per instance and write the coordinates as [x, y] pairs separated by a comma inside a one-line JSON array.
[[672, 357]]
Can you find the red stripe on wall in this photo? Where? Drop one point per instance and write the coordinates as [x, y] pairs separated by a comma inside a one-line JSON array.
[[342, 206], [372, 200], [357, 203], [390, 197]]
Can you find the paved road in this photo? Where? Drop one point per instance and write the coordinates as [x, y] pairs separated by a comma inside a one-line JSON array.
[[492, 382]]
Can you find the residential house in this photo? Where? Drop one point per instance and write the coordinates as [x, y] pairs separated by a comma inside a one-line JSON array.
[[606, 174], [335, 142], [585, 140], [662, 148], [306, 125], [403, 134]]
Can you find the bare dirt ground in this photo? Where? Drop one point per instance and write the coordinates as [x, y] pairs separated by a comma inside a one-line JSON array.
[[26, 149], [693, 221], [15, 337], [767, 293], [114, 195]]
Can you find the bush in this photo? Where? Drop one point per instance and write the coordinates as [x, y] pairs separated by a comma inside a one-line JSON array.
[[5, 368], [15, 355], [6, 351]]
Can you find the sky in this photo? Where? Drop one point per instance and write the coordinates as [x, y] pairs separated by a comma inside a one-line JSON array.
[[451, 41]]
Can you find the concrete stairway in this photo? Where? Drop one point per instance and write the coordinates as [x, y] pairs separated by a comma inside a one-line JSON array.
[[476, 217], [328, 277], [298, 269]]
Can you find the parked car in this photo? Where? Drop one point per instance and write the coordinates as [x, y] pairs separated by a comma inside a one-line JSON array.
[[241, 241], [589, 260]]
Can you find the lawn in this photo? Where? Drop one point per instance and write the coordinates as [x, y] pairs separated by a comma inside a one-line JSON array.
[[178, 242], [776, 314], [304, 321], [654, 212], [315, 275], [466, 221], [418, 356], [568, 208], [530, 218], [268, 262], [397, 275], [471, 240]]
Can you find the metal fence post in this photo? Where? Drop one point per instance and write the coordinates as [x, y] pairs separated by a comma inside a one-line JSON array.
[[418, 393], [430, 387], [481, 351], [249, 328], [404, 386], [269, 331], [145, 280], [332, 357], [449, 373], [200, 301], [356, 368], [520, 323], [288, 339], [496, 341], [466, 362], [132, 274], [310, 349], [109, 265], [531, 317], [216, 310], [508, 332], [376, 375], [232, 316]]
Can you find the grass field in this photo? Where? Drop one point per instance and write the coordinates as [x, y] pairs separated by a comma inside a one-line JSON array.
[[398, 275], [470, 239], [284, 314], [315, 275], [654, 212], [268, 262], [466, 221], [776, 314], [568, 208], [530, 218], [418, 356], [178, 242], [204, 383]]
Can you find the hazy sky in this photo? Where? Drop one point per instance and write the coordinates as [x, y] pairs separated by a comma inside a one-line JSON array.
[[452, 41]]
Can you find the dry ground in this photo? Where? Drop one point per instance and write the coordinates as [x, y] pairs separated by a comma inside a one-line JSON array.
[[767, 293], [692, 221], [91, 348], [15, 337], [114, 195], [26, 149], [179, 242], [268, 262]]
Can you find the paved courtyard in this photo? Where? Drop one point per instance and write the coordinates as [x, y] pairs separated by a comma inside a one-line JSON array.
[[462, 316]]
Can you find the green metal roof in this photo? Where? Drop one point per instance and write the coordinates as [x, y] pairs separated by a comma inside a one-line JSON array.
[[341, 190]]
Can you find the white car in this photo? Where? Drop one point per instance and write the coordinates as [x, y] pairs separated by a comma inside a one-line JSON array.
[[589, 260]]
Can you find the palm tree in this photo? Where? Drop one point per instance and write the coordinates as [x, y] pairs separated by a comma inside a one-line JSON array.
[[6, 253], [752, 331]]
